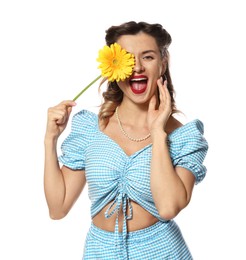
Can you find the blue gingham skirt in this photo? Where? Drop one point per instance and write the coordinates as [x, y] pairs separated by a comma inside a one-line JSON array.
[[161, 241]]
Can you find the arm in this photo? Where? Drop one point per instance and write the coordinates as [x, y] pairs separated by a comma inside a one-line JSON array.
[[171, 187], [62, 186]]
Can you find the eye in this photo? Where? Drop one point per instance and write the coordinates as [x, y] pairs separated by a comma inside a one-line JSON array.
[[148, 57]]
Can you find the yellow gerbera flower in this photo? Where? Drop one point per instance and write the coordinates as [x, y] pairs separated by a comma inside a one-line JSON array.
[[115, 64]]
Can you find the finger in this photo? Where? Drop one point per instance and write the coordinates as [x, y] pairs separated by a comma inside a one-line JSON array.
[[160, 82], [63, 105], [152, 103], [166, 93], [68, 103], [62, 117], [162, 94], [62, 109], [69, 110], [59, 115]]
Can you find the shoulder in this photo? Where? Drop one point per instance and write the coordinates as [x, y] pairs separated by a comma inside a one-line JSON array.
[[85, 116], [188, 136], [83, 129], [194, 127], [175, 125], [188, 147], [172, 125]]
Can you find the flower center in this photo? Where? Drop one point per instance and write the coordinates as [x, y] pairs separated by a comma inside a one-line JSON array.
[[115, 62]]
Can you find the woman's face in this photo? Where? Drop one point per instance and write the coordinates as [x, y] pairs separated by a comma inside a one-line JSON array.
[[149, 66]]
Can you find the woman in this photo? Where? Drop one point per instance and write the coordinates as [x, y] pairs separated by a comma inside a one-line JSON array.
[[140, 163]]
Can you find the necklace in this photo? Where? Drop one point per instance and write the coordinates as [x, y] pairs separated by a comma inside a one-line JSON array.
[[124, 132]]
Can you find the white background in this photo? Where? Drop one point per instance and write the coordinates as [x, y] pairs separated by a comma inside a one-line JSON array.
[[48, 53]]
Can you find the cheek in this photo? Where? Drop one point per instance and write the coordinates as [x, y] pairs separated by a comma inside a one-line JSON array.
[[159, 70], [122, 85]]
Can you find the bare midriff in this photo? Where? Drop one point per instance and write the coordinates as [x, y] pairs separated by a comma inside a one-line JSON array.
[[141, 218]]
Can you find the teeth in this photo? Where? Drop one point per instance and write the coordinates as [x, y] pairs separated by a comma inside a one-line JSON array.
[[139, 79]]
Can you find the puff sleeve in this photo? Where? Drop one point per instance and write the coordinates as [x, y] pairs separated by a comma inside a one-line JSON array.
[[74, 146], [188, 148]]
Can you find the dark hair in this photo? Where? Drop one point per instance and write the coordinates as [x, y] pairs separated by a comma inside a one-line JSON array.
[[113, 95]]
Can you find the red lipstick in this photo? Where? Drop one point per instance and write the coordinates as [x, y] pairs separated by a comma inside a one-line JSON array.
[[138, 84]]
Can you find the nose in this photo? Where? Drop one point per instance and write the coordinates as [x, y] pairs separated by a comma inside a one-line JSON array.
[[138, 67]]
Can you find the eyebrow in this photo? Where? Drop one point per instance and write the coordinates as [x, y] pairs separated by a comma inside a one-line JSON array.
[[148, 51]]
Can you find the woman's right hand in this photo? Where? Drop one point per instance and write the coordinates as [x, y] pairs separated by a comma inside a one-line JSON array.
[[58, 117]]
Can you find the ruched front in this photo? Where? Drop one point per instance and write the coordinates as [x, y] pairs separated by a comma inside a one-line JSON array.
[[115, 178]]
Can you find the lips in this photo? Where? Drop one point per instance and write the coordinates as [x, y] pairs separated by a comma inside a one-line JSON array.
[[138, 84]]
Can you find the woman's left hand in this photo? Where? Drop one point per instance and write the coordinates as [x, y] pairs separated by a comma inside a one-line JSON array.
[[158, 116]]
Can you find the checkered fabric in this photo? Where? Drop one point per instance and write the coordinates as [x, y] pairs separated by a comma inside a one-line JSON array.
[[114, 176], [161, 241]]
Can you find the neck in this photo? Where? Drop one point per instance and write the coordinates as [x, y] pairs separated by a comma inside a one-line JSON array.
[[133, 115], [125, 133]]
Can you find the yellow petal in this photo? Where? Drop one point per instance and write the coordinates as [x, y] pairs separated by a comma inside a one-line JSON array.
[[115, 63]]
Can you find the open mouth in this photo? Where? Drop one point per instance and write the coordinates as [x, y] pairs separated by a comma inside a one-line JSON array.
[[138, 84]]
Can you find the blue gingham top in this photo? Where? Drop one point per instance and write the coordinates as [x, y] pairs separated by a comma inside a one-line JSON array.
[[114, 176]]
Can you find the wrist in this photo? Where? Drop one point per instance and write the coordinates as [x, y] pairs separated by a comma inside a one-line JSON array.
[[158, 135], [50, 140]]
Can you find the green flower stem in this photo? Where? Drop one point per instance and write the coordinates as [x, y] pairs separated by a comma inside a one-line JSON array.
[[83, 90]]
